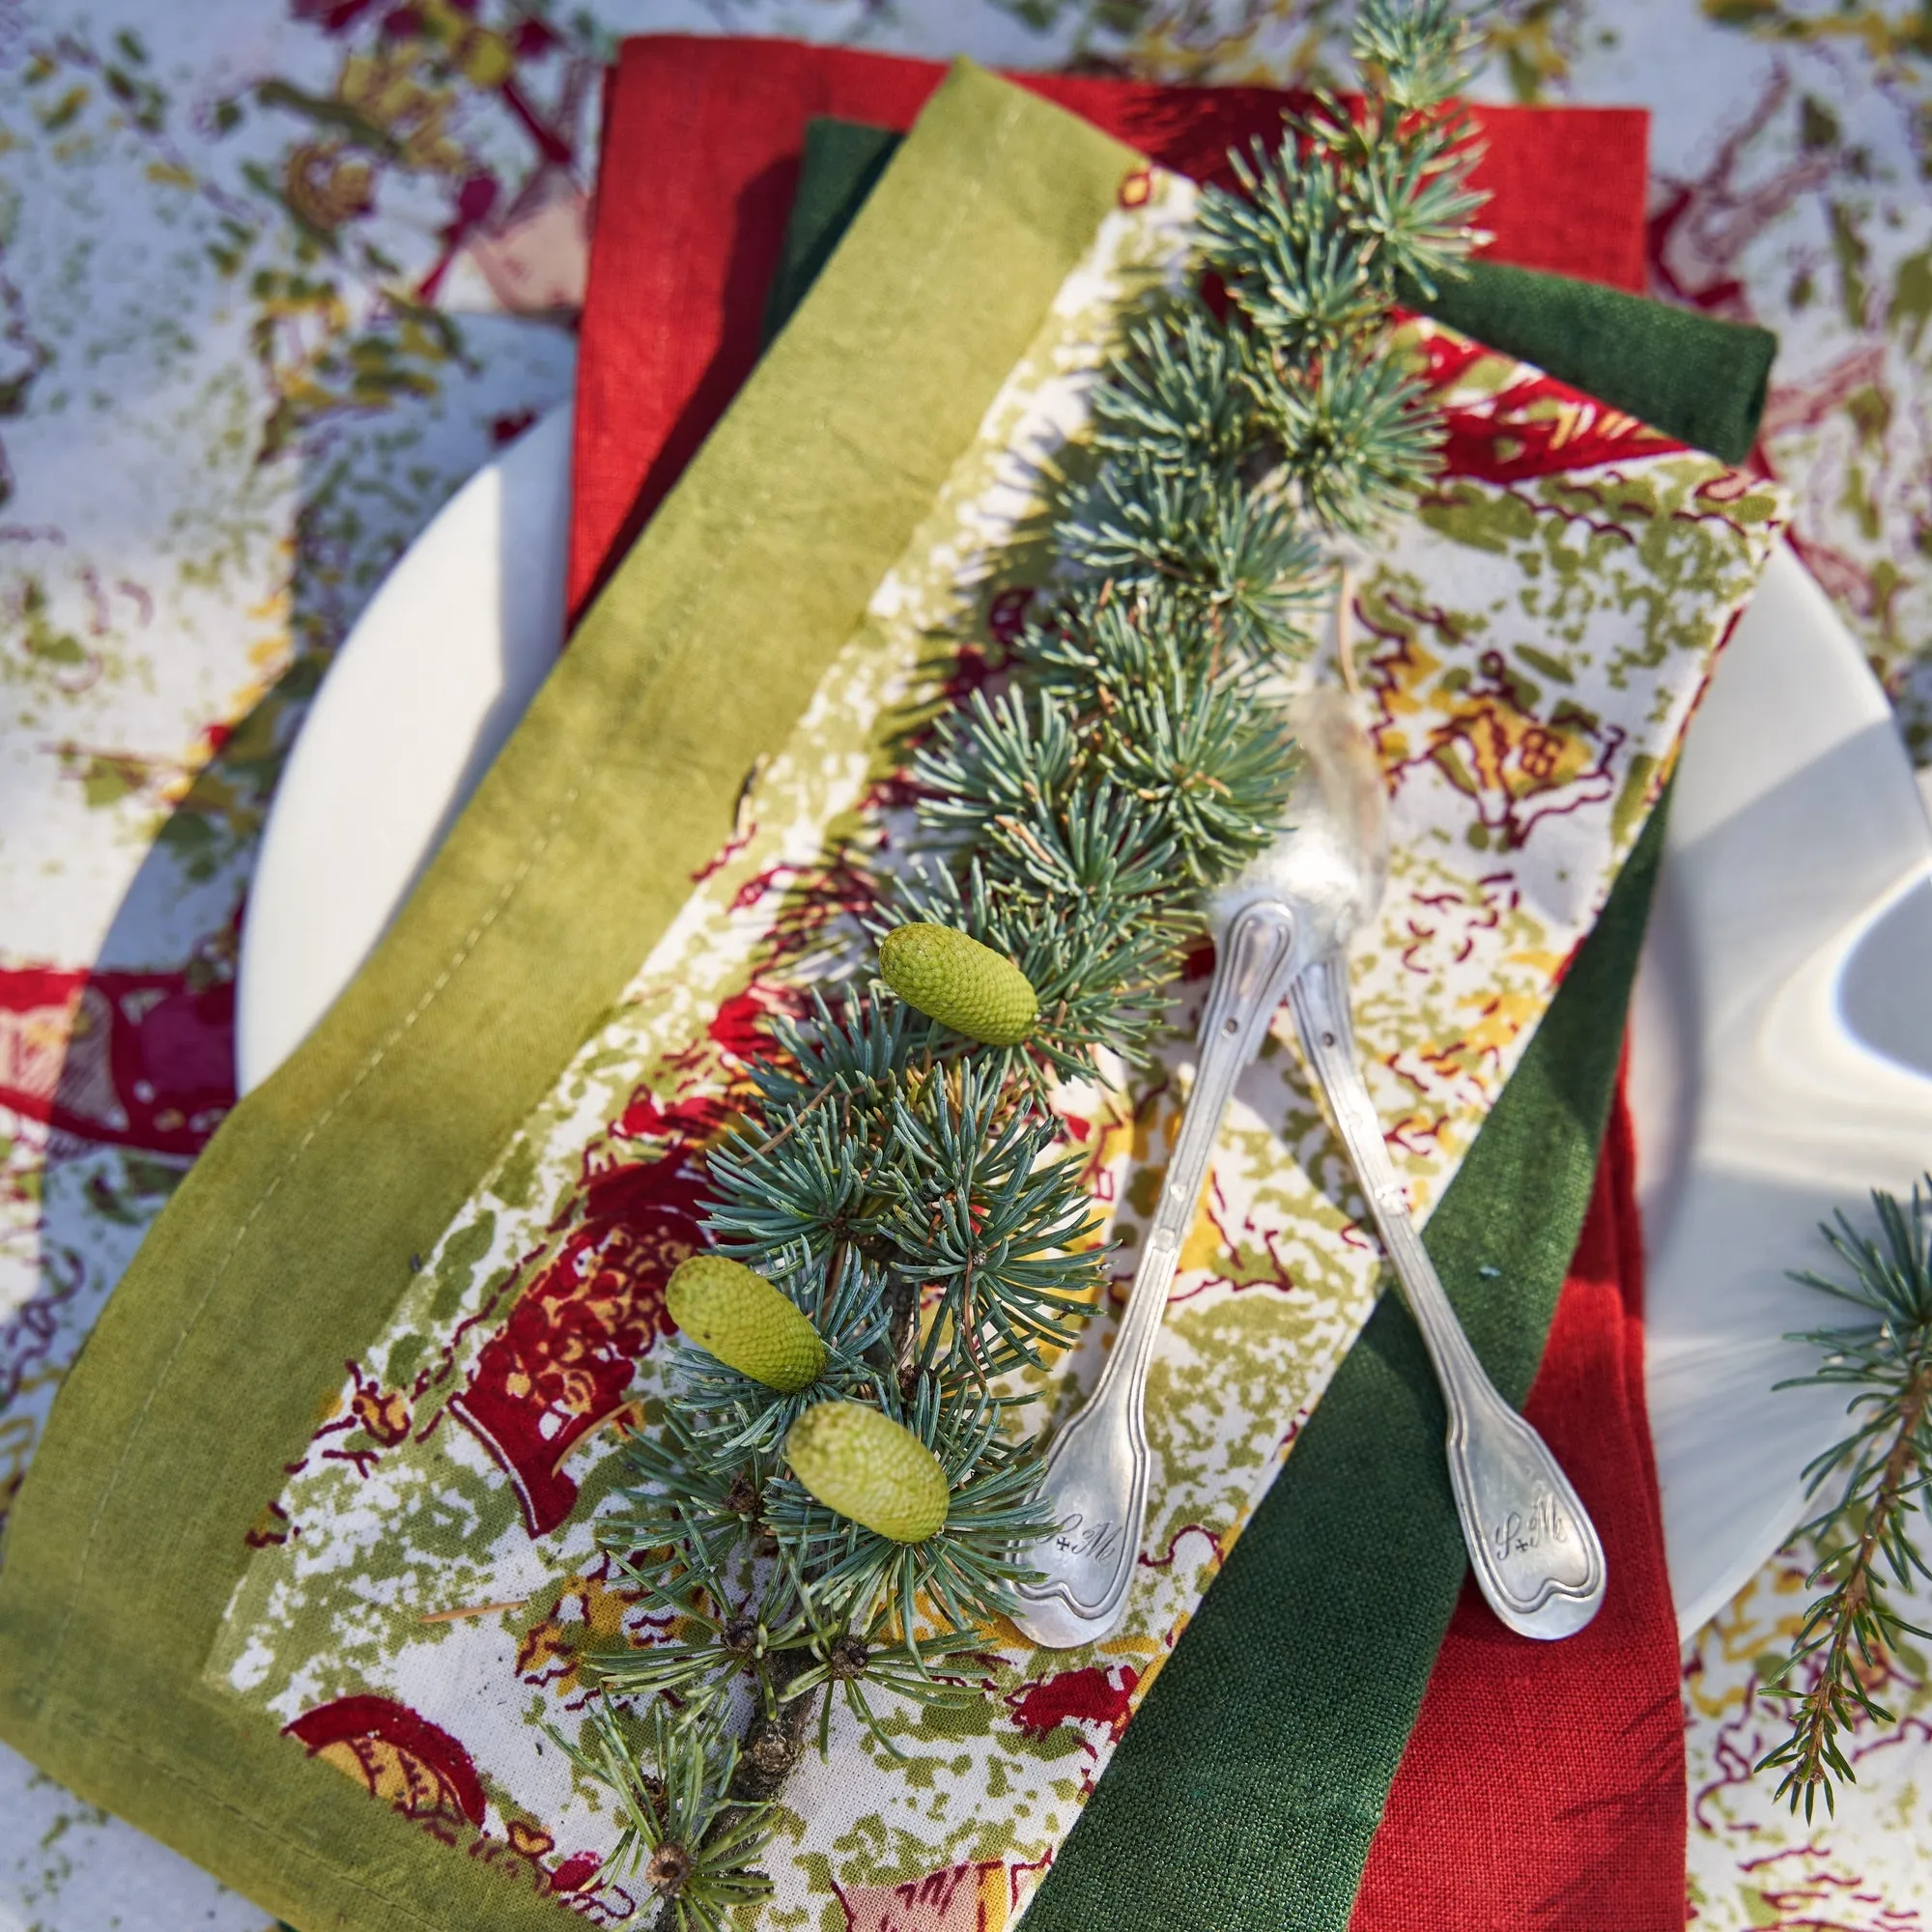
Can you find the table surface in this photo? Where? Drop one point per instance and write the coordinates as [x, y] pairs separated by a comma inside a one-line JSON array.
[[274, 282]]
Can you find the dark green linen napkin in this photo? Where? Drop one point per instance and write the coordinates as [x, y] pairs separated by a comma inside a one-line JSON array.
[[1246, 1791], [1261, 1760], [1697, 378], [1701, 380]]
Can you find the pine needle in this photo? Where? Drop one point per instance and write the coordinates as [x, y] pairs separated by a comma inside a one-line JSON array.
[[1880, 1469]]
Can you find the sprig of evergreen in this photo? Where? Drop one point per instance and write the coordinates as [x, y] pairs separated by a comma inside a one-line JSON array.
[[681, 1831], [895, 1179], [1881, 1469]]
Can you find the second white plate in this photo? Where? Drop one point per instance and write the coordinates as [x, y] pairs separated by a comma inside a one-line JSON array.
[[1780, 1064]]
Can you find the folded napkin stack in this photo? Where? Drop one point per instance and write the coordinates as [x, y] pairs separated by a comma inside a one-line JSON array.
[[470, 1184], [1510, 1738]]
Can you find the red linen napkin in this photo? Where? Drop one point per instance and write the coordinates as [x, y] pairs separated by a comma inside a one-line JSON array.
[[1496, 1792], [702, 146]]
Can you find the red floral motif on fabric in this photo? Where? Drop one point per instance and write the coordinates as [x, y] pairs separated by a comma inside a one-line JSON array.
[[1006, 614], [741, 1026], [561, 1365], [1531, 426], [141, 1060], [1517, 760], [977, 1898], [413, 1766], [575, 1872], [1096, 1695]]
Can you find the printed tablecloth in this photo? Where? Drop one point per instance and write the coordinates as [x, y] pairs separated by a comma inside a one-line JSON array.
[[274, 282]]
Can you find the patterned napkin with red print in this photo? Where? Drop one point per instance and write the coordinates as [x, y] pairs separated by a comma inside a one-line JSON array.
[[1511, 1736]]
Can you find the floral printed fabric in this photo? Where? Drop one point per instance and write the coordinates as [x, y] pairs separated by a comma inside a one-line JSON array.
[[275, 281], [428, 1579]]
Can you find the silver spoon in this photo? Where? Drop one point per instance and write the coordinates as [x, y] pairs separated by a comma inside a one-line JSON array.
[[1284, 926]]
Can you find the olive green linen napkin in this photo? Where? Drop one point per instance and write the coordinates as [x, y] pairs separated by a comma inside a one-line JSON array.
[[291, 1238], [1247, 1789]]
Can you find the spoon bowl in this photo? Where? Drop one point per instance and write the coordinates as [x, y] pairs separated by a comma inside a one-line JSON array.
[[1330, 860]]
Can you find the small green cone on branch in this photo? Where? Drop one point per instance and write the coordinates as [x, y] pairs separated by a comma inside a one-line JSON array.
[[951, 978], [863, 1465], [745, 1321]]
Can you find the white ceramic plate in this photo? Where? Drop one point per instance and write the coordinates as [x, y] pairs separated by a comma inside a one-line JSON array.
[[420, 698], [1781, 1045], [1781, 1063]]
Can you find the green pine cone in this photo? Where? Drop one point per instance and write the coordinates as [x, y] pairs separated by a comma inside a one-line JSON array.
[[745, 1321], [951, 978], [863, 1465]]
